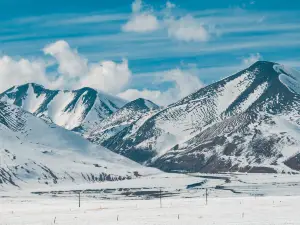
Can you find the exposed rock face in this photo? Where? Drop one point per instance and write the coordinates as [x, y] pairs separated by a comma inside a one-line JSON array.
[[33, 152], [121, 119], [246, 122], [77, 110]]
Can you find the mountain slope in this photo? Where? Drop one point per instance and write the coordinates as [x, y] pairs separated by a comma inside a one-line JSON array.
[[245, 122], [121, 119], [34, 153], [74, 110]]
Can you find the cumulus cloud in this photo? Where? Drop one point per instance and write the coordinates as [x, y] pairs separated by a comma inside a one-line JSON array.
[[70, 62], [170, 5], [136, 6], [183, 28], [141, 20], [74, 71], [252, 58], [107, 76], [187, 28], [183, 84], [17, 72]]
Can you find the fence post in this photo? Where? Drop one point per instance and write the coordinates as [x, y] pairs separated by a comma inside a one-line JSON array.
[[206, 194], [79, 199], [160, 197]]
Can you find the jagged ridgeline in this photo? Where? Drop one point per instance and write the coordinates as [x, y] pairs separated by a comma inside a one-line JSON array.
[[33, 152], [247, 122], [74, 110]]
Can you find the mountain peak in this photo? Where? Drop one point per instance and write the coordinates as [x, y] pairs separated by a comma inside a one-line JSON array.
[[265, 67], [86, 89], [262, 62], [34, 152], [121, 119], [29, 84], [24, 87], [141, 103], [240, 123], [69, 109]]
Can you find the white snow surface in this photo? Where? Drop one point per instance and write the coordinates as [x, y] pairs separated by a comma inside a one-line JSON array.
[[33, 102], [224, 211], [292, 80], [230, 110], [228, 94], [181, 121], [122, 118], [150, 104], [256, 199], [33, 152], [253, 97], [55, 110]]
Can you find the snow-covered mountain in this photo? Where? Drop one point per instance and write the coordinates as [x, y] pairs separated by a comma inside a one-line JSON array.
[[74, 110], [121, 119], [33, 153], [246, 122]]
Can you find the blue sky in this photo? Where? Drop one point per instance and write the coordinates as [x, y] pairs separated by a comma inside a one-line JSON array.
[[162, 44]]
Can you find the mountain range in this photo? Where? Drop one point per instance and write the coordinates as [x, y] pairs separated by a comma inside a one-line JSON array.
[[74, 110], [36, 153], [247, 122]]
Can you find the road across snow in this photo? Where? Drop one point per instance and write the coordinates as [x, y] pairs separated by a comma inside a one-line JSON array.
[[233, 211]]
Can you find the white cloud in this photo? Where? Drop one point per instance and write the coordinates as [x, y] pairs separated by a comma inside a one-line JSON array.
[[136, 6], [252, 58], [17, 72], [183, 84], [187, 28], [107, 76], [141, 21], [170, 5], [74, 71], [132, 94], [70, 62]]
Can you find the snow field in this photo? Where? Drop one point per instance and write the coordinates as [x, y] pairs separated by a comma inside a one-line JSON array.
[[233, 211], [55, 104]]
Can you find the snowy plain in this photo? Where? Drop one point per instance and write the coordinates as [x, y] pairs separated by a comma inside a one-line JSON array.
[[267, 199], [246, 210]]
